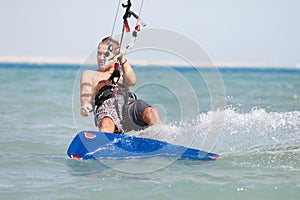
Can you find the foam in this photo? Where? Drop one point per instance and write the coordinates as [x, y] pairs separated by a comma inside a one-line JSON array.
[[239, 132]]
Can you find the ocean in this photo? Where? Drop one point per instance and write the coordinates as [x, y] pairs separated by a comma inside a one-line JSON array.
[[249, 116]]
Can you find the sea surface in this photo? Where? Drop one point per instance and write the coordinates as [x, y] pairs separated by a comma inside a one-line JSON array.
[[249, 116]]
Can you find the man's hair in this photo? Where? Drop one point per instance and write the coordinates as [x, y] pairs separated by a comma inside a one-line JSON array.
[[110, 41]]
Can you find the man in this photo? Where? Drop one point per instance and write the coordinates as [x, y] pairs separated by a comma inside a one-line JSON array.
[[115, 108]]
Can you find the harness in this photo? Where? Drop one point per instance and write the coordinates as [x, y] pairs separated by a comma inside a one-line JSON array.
[[109, 92], [105, 93]]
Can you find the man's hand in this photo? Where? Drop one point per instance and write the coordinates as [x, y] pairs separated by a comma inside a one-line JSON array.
[[85, 109]]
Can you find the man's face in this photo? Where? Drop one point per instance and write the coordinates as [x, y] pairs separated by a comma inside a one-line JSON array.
[[101, 57]]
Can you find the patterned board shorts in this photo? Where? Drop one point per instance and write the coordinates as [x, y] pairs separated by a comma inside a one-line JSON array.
[[126, 119]]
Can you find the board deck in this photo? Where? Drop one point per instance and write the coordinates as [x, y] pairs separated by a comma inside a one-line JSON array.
[[99, 145]]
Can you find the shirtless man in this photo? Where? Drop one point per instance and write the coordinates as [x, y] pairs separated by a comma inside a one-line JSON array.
[[114, 113]]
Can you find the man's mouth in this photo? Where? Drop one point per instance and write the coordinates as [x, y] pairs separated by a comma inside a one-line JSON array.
[[102, 62]]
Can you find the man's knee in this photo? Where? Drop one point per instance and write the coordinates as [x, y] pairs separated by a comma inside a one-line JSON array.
[[151, 116], [107, 125]]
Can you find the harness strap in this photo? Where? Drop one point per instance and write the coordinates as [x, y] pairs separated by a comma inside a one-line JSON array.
[[107, 92]]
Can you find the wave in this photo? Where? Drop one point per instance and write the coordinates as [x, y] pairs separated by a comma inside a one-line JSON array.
[[229, 132], [257, 139]]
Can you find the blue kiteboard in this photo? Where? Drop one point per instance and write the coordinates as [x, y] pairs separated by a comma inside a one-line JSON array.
[[99, 145]]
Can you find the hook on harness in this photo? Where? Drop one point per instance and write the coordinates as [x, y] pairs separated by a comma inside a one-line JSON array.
[[115, 77]]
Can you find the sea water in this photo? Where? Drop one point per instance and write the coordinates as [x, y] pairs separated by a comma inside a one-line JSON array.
[[251, 119]]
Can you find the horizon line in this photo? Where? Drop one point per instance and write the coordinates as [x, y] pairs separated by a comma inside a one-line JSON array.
[[81, 61]]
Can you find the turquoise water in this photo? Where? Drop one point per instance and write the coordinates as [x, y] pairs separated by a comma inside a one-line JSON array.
[[258, 137]]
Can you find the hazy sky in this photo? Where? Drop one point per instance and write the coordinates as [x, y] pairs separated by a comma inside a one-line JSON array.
[[247, 31]]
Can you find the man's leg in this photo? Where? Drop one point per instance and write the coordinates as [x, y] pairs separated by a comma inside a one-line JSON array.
[[107, 125], [151, 117]]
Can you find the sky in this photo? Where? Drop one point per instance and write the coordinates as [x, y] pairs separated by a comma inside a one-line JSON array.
[[239, 31]]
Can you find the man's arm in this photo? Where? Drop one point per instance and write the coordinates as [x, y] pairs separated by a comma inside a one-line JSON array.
[[127, 71], [86, 92]]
